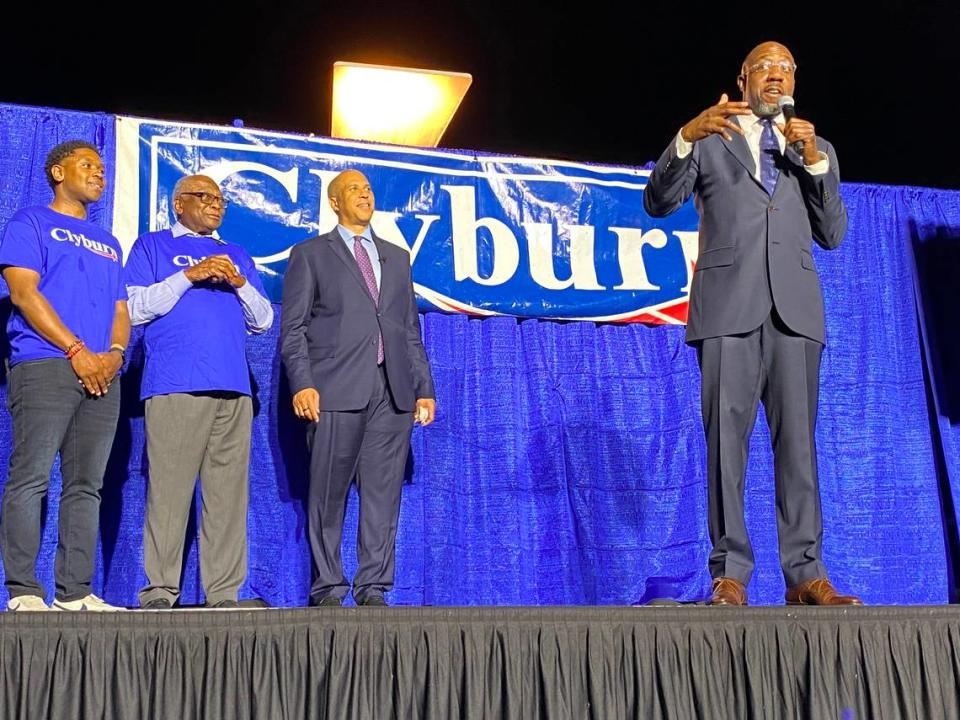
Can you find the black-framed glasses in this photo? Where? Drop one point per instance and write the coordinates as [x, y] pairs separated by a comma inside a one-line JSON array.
[[209, 198]]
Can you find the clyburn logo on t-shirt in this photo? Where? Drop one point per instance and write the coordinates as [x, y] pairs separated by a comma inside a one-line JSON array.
[[190, 261], [81, 240]]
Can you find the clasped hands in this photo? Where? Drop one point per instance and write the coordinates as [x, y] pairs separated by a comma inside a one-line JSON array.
[[216, 268], [96, 371]]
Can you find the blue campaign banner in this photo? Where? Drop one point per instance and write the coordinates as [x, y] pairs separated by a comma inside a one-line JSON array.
[[487, 234]]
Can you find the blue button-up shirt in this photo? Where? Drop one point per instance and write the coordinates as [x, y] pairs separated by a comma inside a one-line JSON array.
[[368, 244]]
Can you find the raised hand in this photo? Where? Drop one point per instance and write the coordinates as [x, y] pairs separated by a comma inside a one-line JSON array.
[[715, 120]]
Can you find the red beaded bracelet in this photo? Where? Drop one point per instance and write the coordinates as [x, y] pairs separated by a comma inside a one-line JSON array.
[[73, 349]]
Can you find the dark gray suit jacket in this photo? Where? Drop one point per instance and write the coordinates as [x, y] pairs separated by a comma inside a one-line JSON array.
[[750, 241], [329, 326]]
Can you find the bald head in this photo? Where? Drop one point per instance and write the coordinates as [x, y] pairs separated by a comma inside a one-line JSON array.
[[336, 185], [767, 74], [351, 198], [764, 49]]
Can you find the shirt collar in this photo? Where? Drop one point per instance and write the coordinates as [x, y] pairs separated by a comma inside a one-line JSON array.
[[179, 230], [752, 123], [348, 235]]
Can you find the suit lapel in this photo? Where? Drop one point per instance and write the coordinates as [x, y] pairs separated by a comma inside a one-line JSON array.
[[741, 151], [789, 161], [790, 165], [339, 248]]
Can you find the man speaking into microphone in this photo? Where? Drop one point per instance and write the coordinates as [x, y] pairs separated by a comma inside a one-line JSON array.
[[765, 185]]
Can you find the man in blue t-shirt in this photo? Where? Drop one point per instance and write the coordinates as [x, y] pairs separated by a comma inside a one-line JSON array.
[[68, 334], [199, 297]]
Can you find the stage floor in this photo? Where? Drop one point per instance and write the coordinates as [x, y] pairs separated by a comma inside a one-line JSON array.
[[491, 662]]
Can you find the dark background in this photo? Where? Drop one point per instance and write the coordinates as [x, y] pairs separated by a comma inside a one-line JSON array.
[[595, 81]]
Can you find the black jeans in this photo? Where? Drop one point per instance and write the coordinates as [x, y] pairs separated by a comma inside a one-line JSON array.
[[53, 413]]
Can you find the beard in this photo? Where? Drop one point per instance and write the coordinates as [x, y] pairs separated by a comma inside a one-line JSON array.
[[765, 109]]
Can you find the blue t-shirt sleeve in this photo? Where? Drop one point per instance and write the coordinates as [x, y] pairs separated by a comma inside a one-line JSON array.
[[122, 286], [139, 271], [250, 272], [21, 245]]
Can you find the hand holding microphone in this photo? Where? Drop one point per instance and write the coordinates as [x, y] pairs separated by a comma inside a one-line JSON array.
[[800, 134]]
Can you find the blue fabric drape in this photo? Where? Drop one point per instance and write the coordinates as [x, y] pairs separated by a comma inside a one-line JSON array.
[[930, 221], [26, 136], [567, 461]]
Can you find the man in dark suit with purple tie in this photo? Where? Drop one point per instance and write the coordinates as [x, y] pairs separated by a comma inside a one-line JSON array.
[[350, 341], [764, 185]]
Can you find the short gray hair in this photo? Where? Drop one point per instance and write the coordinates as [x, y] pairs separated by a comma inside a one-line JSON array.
[[178, 188]]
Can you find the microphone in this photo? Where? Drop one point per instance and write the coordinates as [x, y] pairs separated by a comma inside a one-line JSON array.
[[785, 103], [383, 261]]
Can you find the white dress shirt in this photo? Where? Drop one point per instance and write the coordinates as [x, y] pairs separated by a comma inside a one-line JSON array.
[[752, 130]]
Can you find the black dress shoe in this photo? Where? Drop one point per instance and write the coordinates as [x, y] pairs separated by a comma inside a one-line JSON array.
[[329, 601], [224, 605], [372, 600], [158, 604]]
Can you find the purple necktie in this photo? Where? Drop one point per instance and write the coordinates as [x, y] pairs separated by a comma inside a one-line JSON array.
[[366, 269], [769, 150]]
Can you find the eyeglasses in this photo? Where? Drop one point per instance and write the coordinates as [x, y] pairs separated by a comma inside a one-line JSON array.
[[765, 66], [209, 198]]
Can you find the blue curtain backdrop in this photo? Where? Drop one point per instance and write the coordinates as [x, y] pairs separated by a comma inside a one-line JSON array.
[[567, 461]]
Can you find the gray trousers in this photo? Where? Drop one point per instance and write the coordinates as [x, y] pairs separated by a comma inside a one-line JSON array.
[[52, 414], [189, 434], [782, 369]]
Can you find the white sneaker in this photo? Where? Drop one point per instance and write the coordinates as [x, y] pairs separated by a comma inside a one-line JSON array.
[[28, 603], [90, 603]]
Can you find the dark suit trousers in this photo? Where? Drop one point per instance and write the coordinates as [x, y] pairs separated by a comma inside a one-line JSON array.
[[372, 444], [782, 369]]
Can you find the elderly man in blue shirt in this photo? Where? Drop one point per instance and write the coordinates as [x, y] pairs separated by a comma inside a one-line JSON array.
[[199, 297]]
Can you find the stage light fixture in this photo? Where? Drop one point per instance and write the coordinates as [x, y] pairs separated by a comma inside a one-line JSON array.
[[403, 106]]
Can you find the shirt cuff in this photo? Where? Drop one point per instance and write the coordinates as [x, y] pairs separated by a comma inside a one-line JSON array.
[[178, 283], [683, 147], [821, 167], [248, 293]]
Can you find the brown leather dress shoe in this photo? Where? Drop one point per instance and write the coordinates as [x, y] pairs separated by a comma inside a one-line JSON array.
[[819, 591], [728, 591]]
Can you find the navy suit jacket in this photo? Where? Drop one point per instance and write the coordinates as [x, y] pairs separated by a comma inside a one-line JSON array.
[[754, 248], [329, 326]]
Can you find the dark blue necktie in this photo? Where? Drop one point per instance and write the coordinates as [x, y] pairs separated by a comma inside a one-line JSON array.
[[769, 151]]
